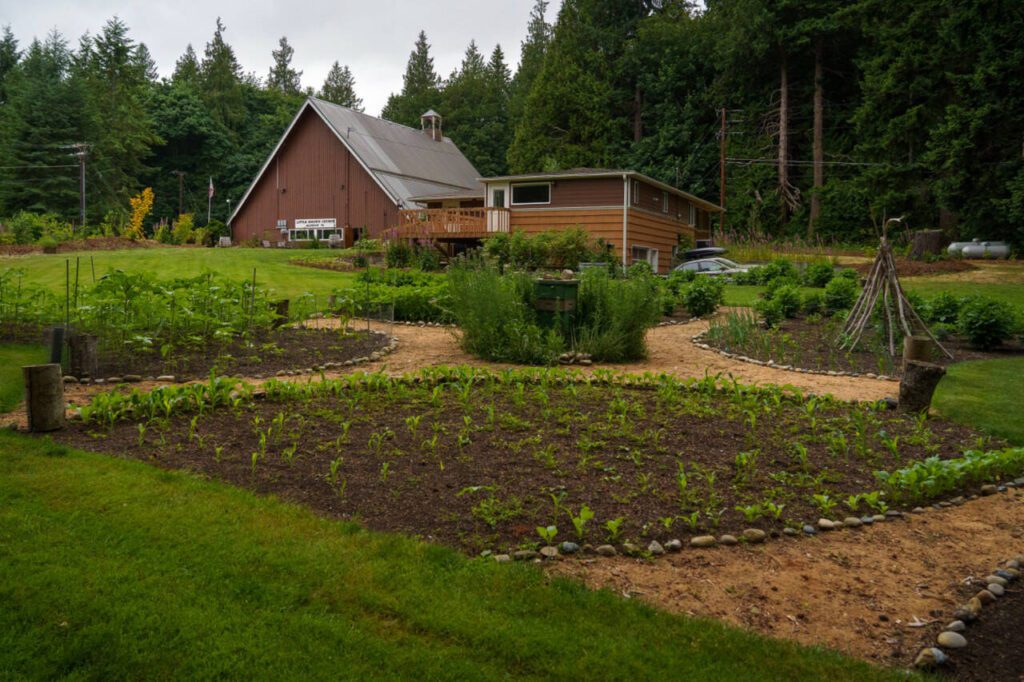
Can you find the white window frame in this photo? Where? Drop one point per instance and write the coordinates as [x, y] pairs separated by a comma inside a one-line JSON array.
[[512, 194], [644, 253]]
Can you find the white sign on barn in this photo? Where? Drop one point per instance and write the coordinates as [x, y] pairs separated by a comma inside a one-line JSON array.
[[309, 223]]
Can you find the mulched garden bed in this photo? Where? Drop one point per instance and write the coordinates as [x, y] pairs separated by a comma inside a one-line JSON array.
[[287, 348], [481, 466], [995, 649], [88, 244], [810, 344], [919, 268]]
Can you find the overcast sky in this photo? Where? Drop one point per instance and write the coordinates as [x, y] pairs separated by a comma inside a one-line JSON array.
[[374, 37]]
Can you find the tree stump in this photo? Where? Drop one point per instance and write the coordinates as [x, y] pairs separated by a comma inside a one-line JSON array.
[[918, 385], [927, 242], [82, 357], [44, 397], [916, 348], [281, 313]]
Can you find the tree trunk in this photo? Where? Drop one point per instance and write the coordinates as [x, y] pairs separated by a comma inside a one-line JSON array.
[[918, 385], [916, 348], [927, 242], [819, 134], [82, 355], [783, 137], [638, 125], [44, 397]]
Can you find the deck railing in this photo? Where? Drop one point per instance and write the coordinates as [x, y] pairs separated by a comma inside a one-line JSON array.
[[452, 222]]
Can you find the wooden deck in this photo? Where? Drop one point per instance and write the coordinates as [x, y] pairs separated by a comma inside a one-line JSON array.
[[451, 223]]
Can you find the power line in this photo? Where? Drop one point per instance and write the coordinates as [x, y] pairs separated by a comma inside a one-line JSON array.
[[70, 165], [794, 162]]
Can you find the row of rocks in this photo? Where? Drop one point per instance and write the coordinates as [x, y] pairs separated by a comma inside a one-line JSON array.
[[422, 323], [575, 358], [672, 323], [993, 586], [698, 341], [170, 378]]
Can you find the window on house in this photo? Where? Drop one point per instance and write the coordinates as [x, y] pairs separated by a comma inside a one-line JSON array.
[[636, 192], [664, 202], [498, 198], [644, 254], [299, 235], [531, 194], [693, 214]]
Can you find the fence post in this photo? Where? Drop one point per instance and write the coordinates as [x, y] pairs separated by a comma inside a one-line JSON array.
[[44, 397]]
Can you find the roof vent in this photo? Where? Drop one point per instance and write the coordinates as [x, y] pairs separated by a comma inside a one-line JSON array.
[[430, 123]]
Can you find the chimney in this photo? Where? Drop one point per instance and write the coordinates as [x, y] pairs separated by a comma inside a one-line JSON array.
[[430, 123]]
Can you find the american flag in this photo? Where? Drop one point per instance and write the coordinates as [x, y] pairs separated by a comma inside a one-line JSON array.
[[209, 194]]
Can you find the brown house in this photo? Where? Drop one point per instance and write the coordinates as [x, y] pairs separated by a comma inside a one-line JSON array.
[[640, 218], [338, 173]]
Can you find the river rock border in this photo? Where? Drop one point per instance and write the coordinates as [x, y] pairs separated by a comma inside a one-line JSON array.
[[698, 340], [180, 379]]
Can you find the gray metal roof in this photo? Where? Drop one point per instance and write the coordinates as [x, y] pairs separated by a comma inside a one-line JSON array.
[[405, 161]]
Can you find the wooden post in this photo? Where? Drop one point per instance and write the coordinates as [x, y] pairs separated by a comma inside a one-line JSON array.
[[44, 397], [916, 348], [918, 385], [82, 355]]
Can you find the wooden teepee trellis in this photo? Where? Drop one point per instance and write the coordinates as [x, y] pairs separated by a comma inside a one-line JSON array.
[[883, 283]]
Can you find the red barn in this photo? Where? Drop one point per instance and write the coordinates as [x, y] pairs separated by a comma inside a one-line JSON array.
[[336, 171]]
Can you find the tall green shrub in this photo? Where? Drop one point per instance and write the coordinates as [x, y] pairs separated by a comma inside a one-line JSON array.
[[613, 315]]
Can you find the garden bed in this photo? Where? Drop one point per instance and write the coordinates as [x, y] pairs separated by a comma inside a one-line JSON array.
[[87, 244], [811, 344], [995, 652], [919, 268], [265, 353], [482, 463]]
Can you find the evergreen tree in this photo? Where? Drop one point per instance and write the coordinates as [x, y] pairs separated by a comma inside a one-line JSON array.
[[9, 56], [340, 87], [220, 84], [186, 69], [40, 120], [531, 59], [119, 126], [146, 63], [283, 77], [421, 88]]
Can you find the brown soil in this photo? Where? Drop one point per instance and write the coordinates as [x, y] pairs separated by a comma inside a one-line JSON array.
[[918, 268], [857, 591], [995, 650], [809, 344], [282, 349], [616, 450], [88, 244]]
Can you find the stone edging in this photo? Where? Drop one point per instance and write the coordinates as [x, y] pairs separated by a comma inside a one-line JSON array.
[[698, 341], [179, 379]]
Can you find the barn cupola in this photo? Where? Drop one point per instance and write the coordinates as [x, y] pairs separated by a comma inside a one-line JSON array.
[[430, 122]]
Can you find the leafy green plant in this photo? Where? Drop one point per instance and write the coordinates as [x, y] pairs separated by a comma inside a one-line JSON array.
[[840, 294], [824, 503], [614, 528], [547, 534], [579, 521], [703, 296], [986, 323]]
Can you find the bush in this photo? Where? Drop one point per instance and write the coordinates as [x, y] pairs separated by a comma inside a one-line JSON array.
[[612, 316], [850, 274], [813, 303], [28, 227], [944, 309], [703, 296], [986, 322], [48, 244], [770, 311], [555, 249], [181, 233], [398, 254], [788, 298], [819, 274], [840, 294], [640, 269], [496, 316]]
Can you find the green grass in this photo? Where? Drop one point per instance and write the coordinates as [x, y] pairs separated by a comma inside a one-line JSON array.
[[986, 394], [114, 569], [12, 358], [272, 267], [1012, 293]]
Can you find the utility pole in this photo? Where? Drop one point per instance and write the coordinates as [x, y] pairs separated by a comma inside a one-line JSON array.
[[181, 191], [721, 174], [81, 149]]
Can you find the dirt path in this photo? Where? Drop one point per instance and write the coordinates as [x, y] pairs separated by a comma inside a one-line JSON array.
[[852, 590]]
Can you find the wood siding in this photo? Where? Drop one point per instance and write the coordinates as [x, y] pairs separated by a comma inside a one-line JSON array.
[[656, 231], [313, 175], [575, 193]]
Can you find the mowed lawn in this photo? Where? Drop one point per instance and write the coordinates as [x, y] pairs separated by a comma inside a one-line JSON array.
[[114, 569], [12, 358], [272, 267], [986, 394]]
